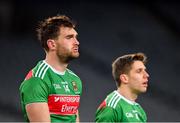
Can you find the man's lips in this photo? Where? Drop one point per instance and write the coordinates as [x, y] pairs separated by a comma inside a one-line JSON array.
[[145, 83], [76, 49]]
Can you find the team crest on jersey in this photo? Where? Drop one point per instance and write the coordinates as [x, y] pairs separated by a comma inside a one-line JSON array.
[[74, 86]]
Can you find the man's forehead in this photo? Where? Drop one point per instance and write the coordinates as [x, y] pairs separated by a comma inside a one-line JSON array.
[[138, 64], [67, 30]]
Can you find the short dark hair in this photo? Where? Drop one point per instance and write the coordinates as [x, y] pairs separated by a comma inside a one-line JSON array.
[[122, 65], [50, 28]]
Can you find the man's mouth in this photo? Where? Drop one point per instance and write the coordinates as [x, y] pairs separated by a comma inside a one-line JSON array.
[[145, 84]]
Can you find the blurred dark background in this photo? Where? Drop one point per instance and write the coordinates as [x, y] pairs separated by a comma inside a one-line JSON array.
[[107, 29]]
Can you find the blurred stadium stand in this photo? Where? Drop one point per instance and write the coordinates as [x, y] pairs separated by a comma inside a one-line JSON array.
[[106, 31]]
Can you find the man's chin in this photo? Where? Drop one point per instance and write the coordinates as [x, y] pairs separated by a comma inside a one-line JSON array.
[[144, 90], [75, 55]]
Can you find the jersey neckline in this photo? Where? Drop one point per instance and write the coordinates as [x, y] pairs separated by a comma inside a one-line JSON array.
[[127, 100], [53, 69]]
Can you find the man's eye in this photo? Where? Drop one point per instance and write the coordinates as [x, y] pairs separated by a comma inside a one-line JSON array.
[[68, 37], [139, 71]]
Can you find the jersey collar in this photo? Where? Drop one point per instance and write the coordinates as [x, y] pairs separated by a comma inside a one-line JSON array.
[[54, 70], [129, 101]]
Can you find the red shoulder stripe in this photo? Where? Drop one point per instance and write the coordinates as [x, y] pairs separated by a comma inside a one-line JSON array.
[[29, 75], [102, 105]]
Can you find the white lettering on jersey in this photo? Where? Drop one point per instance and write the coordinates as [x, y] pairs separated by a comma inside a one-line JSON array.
[[132, 114], [64, 82], [129, 114], [56, 99], [66, 108], [66, 88], [136, 114], [57, 86]]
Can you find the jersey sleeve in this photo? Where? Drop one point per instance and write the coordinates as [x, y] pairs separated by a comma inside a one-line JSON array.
[[106, 114], [34, 90]]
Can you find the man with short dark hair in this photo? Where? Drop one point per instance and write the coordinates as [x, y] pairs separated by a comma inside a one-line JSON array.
[[51, 92], [131, 78]]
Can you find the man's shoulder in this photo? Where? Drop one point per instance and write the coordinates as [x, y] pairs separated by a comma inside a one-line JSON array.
[[113, 100], [40, 70], [30, 82], [70, 72]]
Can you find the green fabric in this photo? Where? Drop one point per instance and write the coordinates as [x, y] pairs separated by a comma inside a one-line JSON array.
[[117, 108], [45, 81]]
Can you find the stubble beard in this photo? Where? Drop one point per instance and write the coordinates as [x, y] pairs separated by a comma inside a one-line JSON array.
[[66, 58]]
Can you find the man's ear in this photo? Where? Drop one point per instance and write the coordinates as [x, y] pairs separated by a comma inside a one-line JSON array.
[[51, 44], [124, 78]]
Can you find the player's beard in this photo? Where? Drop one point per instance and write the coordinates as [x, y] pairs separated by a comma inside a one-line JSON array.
[[65, 56]]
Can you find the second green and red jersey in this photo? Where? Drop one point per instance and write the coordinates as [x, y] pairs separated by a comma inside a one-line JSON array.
[[116, 108], [60, 90]]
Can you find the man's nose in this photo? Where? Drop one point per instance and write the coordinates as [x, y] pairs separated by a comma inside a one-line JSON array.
[[146, 74], [76, 41]]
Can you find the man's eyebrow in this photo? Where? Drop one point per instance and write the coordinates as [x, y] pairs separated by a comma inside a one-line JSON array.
[[71, 35], [144, 68]]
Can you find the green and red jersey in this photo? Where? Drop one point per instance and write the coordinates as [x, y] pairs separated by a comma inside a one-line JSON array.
[[116, 108], [60, 90]]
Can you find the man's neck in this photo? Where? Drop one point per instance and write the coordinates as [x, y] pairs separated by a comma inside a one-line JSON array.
[[125, 92], [56, 63]]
